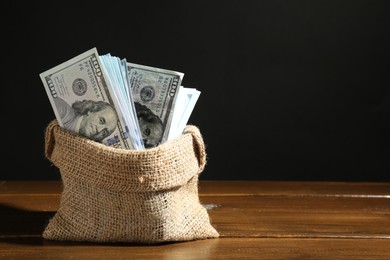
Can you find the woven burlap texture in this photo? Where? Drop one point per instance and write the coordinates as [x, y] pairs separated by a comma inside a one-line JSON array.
[[118, 195]]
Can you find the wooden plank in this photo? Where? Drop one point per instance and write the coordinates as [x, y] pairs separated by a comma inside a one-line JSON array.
[[283, 216], [233, 187], [256, 220], [291, 188], [31, 202], [30, 187], [240, 216], [225, 248]]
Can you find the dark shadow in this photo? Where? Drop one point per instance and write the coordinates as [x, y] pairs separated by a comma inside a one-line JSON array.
[[22, 226], [25, 227]]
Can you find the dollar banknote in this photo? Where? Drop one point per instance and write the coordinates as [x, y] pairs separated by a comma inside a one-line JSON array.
[[184, 105], [83, 102], [154, 93]]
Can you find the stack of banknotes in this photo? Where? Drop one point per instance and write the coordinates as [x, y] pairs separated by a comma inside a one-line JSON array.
[[120, 104]]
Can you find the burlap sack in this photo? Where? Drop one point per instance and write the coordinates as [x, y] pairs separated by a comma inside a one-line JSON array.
[[117, 195]]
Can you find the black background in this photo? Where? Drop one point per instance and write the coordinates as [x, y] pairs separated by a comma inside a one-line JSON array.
[[290, 90]]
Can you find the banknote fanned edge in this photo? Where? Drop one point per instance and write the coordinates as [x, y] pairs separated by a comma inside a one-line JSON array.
[[127, 133]]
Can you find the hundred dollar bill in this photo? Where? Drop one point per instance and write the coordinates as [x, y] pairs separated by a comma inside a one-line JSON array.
[[82, 99], [154, 93]]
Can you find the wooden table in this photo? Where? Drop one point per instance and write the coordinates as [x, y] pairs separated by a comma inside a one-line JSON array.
[[255, 219]]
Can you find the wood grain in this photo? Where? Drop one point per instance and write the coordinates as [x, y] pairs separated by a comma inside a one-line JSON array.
[[256, 220]]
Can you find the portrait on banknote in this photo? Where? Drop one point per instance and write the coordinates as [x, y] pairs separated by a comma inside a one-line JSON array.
[[150, 124], [92, 119]]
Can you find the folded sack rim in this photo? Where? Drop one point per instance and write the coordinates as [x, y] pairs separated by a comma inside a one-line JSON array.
[[166, 166]]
